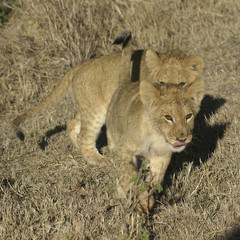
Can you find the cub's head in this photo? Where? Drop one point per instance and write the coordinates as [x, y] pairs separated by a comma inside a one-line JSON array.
[[174, 67], [171, 110]]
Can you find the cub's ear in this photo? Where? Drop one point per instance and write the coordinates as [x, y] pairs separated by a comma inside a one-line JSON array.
[[148, 93], [194, 64], [195, 91], [153, 62]]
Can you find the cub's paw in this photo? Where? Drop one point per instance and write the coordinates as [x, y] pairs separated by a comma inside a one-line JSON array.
[[146, 202], [99, 161]]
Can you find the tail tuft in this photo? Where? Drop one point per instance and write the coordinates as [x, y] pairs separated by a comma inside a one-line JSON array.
[[123, 38]]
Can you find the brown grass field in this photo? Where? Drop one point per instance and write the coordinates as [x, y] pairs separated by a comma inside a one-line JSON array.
[[47, 191]]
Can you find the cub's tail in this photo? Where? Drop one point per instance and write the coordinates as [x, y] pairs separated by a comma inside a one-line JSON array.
[[57, 93], [125, 38]]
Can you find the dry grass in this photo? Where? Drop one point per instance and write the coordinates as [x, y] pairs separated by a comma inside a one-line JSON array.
[[52, 193]]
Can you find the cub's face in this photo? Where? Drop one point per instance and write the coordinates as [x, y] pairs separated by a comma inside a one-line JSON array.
[[174, 67], [171, 110], [175, 120]]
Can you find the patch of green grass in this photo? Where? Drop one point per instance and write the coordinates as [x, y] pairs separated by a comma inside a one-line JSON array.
[[5, 11], [111, 187], [203, 201], [143, 235]]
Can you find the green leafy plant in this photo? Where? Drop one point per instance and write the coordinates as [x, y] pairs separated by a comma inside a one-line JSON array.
[[5, 11], [158, 187], [143, 235]]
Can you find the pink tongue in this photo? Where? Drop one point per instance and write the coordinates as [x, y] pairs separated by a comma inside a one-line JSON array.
[[179, 144]]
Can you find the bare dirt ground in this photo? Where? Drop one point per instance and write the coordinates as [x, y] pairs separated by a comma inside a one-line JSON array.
[[47, 191]]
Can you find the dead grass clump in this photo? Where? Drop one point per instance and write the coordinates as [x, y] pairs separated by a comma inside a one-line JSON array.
[[52, 193]]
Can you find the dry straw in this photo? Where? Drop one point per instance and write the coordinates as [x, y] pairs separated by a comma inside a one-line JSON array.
[[52, 193]]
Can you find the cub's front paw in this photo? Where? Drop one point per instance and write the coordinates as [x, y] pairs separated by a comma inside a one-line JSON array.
[[99, 161], [146, 202]]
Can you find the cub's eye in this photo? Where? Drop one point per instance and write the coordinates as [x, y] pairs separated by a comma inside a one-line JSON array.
[[182, 84], [169, 118], [189, 116]]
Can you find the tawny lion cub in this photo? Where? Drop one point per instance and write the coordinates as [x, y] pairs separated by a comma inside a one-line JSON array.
[[93, 83], [151, 121]]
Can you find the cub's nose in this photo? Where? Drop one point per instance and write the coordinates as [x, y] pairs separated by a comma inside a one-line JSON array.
[[181, 139]]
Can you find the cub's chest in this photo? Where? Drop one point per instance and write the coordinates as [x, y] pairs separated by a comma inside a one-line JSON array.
[[153, 145]]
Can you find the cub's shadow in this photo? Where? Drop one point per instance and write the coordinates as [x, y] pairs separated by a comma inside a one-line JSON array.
[[234, 234], [43, 143], [100, 143]]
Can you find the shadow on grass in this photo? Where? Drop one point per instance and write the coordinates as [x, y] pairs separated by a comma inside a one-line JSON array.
[[100, 143], [43, 143], [234, 234]]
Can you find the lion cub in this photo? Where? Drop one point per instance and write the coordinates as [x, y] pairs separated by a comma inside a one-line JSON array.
[[93, 83], [152, 121]]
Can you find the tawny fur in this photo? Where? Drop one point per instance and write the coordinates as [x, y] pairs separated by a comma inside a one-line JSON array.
[[93, 83], [151, 121]]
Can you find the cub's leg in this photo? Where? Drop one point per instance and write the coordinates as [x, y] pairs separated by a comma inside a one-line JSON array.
[[158, 167], [91, 124], [128, 168], [74, 128]]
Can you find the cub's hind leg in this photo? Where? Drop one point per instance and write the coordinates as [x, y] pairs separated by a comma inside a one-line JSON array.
[[74, 128], [91, 124]]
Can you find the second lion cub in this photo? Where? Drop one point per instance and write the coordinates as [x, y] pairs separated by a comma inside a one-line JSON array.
[[150, 121]]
